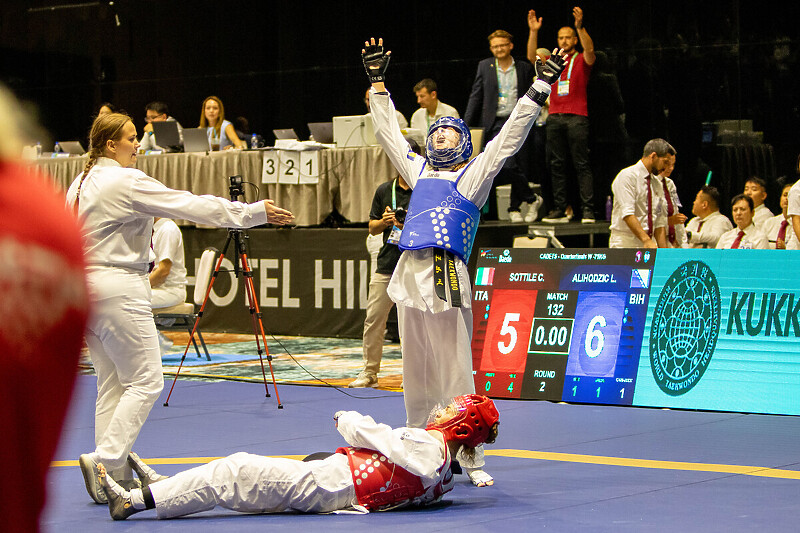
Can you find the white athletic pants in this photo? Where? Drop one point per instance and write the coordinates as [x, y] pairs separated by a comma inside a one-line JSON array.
[[168, 297], [124, 349], [256, 484], [437, 363]]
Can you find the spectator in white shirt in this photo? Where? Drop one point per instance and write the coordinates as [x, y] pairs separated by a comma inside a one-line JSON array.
[[778, 228], [431, 108], [675, 230], [746, 235], [639, 215], [756, 189], [708, 225], [794, 206]]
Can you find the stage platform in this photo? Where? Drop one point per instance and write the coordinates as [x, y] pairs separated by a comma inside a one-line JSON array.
[[558, 467]]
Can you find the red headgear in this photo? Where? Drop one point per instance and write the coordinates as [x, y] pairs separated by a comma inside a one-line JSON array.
[[475, 415]]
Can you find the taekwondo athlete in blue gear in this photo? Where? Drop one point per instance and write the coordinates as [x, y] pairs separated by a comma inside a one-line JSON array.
[[430, 284]]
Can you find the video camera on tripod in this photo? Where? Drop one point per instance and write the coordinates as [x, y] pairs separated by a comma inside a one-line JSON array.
[[235, 188], [240, 265]]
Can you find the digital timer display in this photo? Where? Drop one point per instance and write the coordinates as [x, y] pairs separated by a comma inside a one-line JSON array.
[[563, 325]]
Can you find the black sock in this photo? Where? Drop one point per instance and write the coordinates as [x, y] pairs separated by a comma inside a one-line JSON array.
[[149, 502]]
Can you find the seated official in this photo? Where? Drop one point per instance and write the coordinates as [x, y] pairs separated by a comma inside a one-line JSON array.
[[745, 235], [168, 278], [756, 189], [221, 133], [157, 112], [779, 228], [708, 224], [794, 205]]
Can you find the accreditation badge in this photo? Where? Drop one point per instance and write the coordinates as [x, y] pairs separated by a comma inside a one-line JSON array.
[[563, 87], [394, 236]]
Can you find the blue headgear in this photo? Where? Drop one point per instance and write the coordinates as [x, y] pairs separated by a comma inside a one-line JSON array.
[[448, 157]]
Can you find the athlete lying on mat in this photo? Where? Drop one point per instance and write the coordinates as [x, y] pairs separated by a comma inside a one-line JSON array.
[[382, 469]]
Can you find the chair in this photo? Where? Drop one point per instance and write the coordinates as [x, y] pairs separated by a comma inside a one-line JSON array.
[[183, 316]]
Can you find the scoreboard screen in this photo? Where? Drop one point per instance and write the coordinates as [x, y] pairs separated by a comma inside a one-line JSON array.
[[560, 325]]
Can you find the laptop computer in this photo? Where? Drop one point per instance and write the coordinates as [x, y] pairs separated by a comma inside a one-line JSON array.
[[195, 140], [166, 133], [72, 147], [355, 130], [321, 131], [285, 134]]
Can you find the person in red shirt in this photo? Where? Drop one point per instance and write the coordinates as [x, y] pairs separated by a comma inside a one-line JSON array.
[[42, 316], [568, 122]]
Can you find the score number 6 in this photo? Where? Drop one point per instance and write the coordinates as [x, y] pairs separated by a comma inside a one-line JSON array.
[[507, 329], [592, 333]]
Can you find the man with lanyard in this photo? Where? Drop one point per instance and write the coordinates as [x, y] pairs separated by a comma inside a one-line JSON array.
[[568, 122], [498, 84], [639, 215], [386, 217], [431, 284]]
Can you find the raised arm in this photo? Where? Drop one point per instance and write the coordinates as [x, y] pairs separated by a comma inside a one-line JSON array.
[[375, 62], [387, 131], [534, 25], [586, 42]]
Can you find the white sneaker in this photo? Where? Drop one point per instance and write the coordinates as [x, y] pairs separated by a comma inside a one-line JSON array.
[[515, 216], [145, 474], [364, 380], [90, 478], [533, 210]]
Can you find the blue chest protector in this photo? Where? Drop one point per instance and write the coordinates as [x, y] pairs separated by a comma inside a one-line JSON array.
[[440, 217]]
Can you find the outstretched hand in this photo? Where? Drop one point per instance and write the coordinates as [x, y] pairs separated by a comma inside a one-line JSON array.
[[375, 60], [578, 14], [550, 70], [277, 215], [534, 24]]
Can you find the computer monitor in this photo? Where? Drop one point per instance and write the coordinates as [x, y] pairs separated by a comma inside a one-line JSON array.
[[355, 130], [285, 134], [166, 133], [195, 140], [321, 131], [72, 147]]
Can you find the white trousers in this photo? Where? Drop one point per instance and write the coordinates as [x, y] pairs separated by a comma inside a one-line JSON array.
[[167, 297], [437, 363], [437, 359], [619, 239], [124, 349], [378, 307], [256, 484]]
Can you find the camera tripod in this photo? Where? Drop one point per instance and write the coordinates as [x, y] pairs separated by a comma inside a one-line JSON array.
[[239, 238]]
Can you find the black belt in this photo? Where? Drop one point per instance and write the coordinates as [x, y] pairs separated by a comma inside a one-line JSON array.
[[445, 276]]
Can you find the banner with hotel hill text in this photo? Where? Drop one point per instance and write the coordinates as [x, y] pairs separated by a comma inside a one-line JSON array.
[[694, 329], [310, 282]]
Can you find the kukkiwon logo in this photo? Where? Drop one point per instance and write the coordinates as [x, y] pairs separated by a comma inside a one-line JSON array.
[[685, 327]]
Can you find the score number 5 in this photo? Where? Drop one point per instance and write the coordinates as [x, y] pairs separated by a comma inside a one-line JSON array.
[[507, 329]]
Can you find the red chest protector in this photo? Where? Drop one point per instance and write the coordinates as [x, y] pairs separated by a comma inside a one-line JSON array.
[[380, 483]]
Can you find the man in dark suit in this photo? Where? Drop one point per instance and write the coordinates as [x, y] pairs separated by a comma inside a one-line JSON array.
[[495, 91]]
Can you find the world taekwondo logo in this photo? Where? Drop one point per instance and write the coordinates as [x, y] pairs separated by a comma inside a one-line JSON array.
[[685, 327]]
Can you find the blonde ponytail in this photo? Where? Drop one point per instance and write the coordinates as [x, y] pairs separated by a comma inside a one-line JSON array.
[[107, 127]]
